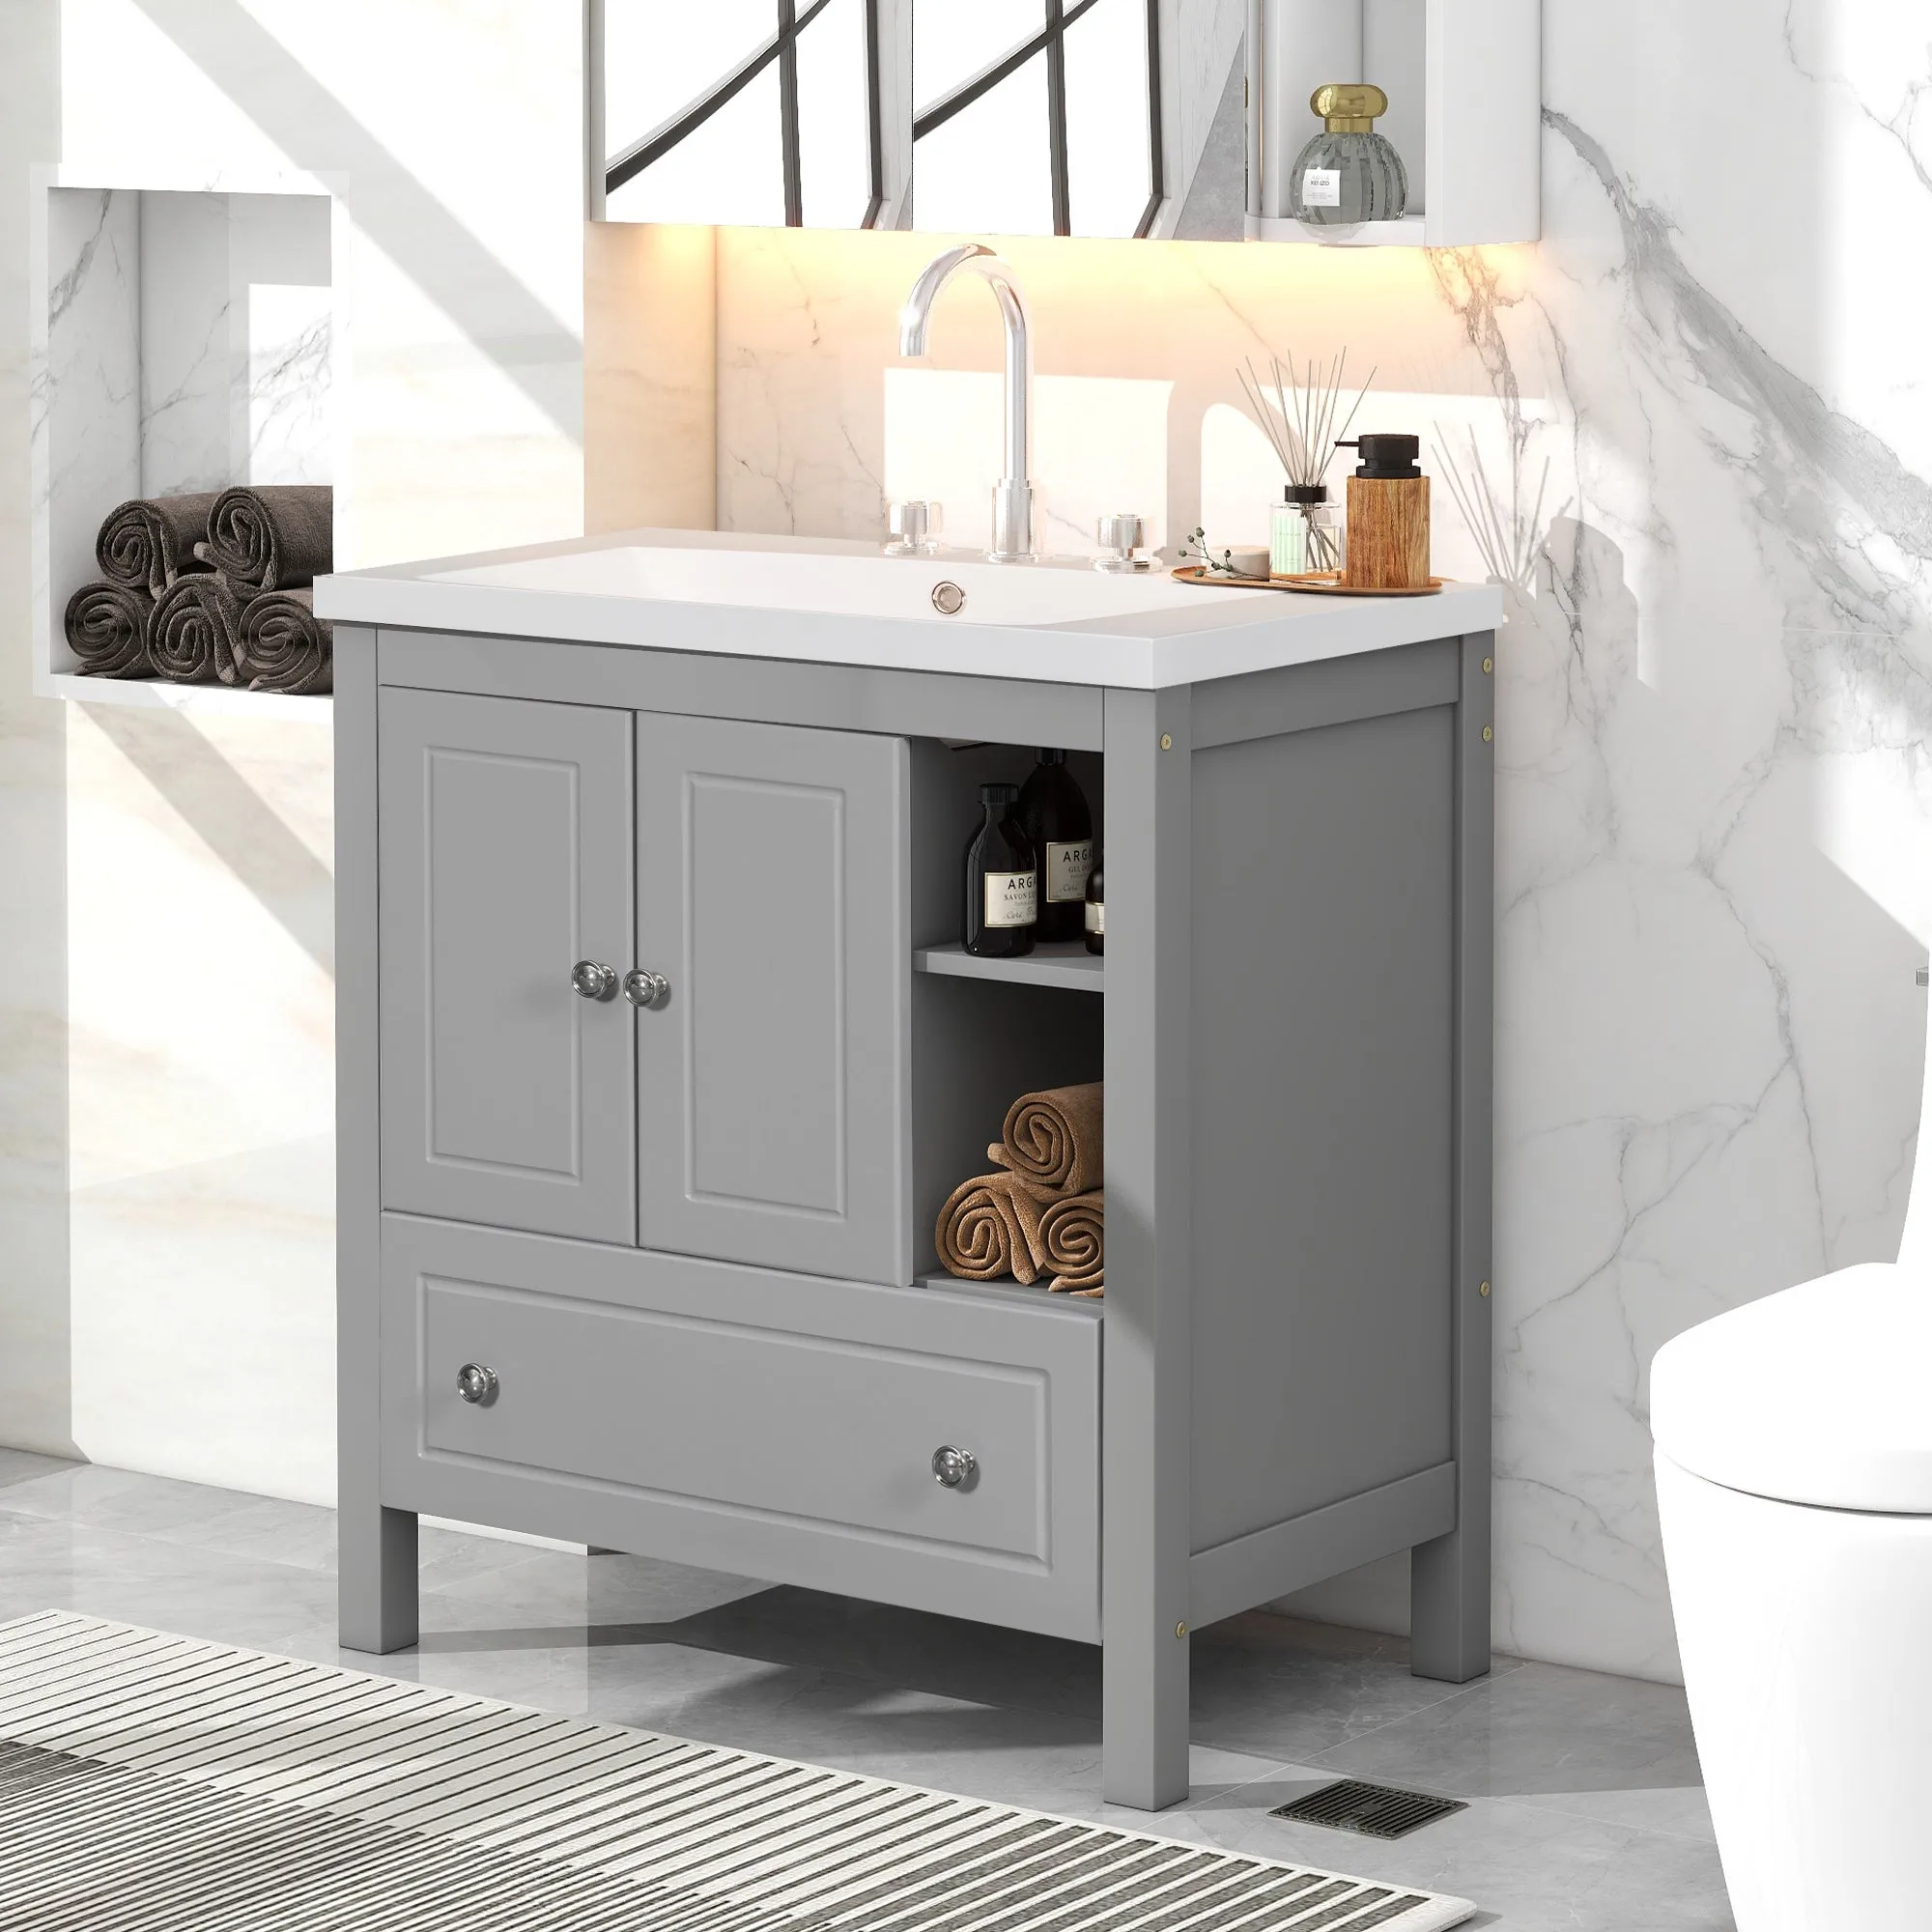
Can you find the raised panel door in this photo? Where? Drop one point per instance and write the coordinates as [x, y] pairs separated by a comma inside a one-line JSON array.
[[773, 1088], [508, 1097]]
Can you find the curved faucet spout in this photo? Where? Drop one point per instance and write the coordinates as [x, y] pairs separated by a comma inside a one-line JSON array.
[[1014, 498]]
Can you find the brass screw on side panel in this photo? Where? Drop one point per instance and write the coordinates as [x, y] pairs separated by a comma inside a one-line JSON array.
[[1489, 664], [1180, 1629], [1483, 1290], [1488, 734], [1166, 742]]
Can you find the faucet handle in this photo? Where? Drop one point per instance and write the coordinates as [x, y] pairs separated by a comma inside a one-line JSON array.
[[1123, 534], [913, 527]]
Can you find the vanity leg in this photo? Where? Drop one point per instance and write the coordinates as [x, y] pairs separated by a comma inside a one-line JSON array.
[[377, 1546], [1449, 1577], [377, 1581], [1145, 1464]]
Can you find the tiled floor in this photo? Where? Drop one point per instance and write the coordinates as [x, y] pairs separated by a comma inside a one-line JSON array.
[[1584, 1806]]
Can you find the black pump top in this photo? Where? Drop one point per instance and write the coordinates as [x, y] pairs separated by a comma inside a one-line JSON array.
[[998, 793], [1049, 757], [1386, 456]]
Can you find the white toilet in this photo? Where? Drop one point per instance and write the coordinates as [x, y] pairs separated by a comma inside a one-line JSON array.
[[1794, 1476]]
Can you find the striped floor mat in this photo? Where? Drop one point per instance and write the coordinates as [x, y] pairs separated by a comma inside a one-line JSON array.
[[153, 1783]]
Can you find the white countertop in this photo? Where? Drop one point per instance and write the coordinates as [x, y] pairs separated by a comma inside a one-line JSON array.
[[815, 600]]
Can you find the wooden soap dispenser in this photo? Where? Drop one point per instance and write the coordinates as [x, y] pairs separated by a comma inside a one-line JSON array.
[[1387, 543]]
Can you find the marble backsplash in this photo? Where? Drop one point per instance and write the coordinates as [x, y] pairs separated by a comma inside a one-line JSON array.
[[1694, 427]]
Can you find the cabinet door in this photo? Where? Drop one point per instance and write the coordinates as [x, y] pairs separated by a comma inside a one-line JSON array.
[[773, 1091], [508, 1097]]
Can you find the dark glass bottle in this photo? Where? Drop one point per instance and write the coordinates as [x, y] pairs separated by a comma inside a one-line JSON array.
[[1001, 881], [1097, 909], [1054, 815]]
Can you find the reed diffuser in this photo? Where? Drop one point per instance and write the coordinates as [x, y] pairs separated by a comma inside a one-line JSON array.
[[1298, 415]]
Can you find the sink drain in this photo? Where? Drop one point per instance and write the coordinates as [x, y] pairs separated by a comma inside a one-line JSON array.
[[1375, 1810]]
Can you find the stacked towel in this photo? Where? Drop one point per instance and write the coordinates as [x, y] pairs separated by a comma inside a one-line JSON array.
[[278, 537], [1053, 1140], [152, 540], [210, 586], [196, 629], [284, 645], [107, 627], [1041, 1210], [980, 1236], [1072, 1238]]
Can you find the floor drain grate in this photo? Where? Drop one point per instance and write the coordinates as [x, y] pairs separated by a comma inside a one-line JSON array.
[[1375, 1810]]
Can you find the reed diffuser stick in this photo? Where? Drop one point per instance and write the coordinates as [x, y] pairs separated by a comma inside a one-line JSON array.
[[1298, 418]]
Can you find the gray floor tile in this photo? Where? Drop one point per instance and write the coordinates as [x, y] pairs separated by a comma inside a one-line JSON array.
[[22, 1466], [1287, 1689], [1535, 1732], [1530, 1869]]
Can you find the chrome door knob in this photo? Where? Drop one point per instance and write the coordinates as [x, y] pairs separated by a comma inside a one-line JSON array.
[[954, 1468], [645, 989], [594, 982], [476, 1384]]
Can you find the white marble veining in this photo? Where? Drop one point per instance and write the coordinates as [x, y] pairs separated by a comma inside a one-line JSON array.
[[1706, 439]]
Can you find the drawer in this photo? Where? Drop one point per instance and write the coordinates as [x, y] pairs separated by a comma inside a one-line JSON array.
[[770, 1424]]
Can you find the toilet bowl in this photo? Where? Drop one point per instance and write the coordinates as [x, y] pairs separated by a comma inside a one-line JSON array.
[[1794, 1479]]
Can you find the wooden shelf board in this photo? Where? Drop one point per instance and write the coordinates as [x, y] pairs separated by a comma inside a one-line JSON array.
[[1065, 964]]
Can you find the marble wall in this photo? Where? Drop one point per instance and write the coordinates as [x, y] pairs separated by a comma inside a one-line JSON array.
[[1694, 427], [166, 945]]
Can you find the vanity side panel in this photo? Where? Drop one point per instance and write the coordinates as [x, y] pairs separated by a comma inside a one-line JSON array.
[[1323, 989], [377, 1566]]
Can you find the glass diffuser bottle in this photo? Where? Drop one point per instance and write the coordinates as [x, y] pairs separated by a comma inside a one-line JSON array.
[[1348, 172]]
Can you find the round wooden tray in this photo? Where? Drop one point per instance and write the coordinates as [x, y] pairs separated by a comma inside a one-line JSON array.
[[1325, 583]]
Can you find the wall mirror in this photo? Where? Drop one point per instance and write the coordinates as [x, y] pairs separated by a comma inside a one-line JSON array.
[[1148, 118]]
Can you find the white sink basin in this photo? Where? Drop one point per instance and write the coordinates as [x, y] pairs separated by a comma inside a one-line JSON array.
[[876, 586], [809, 600]]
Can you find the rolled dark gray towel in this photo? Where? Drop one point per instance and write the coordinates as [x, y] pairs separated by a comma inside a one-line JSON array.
[[285, 646], [150, 540], [108, 629], [278, 537], [193, 632]]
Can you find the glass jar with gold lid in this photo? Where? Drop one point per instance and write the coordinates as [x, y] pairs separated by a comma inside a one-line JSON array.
[[1348, 172]]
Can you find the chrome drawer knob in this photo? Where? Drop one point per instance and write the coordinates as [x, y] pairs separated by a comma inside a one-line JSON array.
[[954, 1468], [593, 981], [645, 989], [476, 1384]]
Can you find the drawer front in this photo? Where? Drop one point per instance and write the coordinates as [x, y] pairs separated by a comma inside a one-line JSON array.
[[777, 1425]]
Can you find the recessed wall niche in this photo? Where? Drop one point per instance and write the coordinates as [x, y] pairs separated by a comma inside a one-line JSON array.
[[190, 343]]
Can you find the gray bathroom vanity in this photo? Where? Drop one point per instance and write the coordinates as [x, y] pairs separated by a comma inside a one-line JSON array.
[[658, 1056]]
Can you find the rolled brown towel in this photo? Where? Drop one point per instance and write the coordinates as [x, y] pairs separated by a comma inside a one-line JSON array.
[[981, 1234], [194, 631], [1052, 1139], [1073, 1243], [106, 627], [277, 537], [285, 646], [150, 540]]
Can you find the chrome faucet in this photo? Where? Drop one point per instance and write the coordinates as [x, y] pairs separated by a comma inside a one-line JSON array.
[[1016, 503]]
